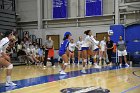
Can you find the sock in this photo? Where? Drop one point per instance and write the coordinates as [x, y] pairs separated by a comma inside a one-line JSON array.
[[83, 68], [8, 79]]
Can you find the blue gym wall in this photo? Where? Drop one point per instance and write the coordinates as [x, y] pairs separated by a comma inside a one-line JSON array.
[[118, 30], [132, 33]]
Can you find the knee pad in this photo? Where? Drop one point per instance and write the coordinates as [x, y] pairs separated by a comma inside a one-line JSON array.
[[10, 66], [85, 60], [65, 64], [95, 57]]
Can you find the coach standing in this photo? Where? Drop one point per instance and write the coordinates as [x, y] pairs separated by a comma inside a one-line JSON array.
[[49, 51], [121, 46], [109, 45]]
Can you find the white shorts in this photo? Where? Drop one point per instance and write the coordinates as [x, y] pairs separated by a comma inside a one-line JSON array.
[[122, 53], [102, 49]]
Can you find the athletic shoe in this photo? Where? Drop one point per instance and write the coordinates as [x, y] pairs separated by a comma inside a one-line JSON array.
[[62, 77], [120, 65], [44, 66], [54, 66], [126, 65], [62, 72], [83, 71], [10, 84], [97, 66]]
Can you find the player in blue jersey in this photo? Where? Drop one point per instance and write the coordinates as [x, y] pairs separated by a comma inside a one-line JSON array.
[[63, 51]]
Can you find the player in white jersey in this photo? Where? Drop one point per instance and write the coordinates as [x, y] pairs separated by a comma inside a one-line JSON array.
[[96, 53], [79, 44], [5, 59], [85, 47], [71, 48], [103, 50]]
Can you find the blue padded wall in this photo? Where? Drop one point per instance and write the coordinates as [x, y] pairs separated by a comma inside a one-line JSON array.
[[133, 33], [118, 30]]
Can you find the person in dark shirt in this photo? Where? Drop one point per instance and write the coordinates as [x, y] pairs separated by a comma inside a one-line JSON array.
[[109, 45]]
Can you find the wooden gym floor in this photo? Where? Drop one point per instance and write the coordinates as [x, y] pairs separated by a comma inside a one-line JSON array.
[[35, 79]]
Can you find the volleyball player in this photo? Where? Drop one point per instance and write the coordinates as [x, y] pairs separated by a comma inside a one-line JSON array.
[[103, 50], [95, 53], [85, 47], [5, 59], [79, 44], [71, 48], [63, 51]]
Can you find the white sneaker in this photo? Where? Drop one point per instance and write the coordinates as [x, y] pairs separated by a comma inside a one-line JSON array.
[[62, 76], [120, 65], [97, 66], [44, 66], [54, 66], [10, 84], [83, 71], [62, 72], [126, 65]]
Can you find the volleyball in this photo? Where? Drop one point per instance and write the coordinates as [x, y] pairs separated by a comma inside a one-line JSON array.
[[110, 32]]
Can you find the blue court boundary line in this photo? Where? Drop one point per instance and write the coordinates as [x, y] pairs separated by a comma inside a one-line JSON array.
[[132, 88], [53, 77]]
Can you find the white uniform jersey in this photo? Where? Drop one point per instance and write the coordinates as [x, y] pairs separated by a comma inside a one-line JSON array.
[[72, 47], [3, 45], [89, 40], [28, 50], [103, 45], [95, 46], [79, 44]]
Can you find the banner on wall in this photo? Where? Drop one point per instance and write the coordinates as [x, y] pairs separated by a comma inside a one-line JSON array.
[[59, 9], [93, 7]]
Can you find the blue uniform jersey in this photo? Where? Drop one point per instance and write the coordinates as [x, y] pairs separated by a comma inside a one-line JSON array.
[[63, 47]]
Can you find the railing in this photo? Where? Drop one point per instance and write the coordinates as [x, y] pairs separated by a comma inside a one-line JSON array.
[[7, 5]]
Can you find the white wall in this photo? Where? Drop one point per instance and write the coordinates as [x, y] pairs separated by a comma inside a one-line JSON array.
[[27, 10], [76, 31]]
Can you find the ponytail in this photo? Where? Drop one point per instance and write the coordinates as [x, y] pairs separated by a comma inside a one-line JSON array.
[[66, 37], [87, 32]]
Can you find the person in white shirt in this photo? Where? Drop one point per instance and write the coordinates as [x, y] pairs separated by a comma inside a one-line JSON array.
[[71, 48], [79, 44], [95, 53], [103, 50], [85, 47], [5, 58], [30, 52]]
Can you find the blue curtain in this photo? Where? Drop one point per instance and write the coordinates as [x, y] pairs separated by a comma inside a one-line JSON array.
[[93, 7], [60, 9]]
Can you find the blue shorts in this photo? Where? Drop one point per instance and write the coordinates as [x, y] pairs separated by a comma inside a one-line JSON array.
[[61, 53], [85, 48], [96, 49], [79, 50], [71, 51]]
